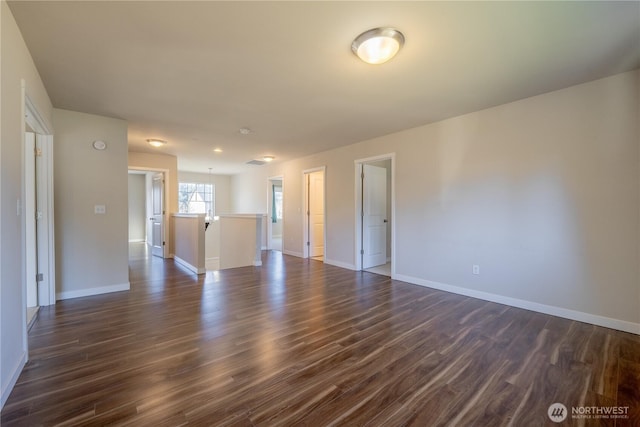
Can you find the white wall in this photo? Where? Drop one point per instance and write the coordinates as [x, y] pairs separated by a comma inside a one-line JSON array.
[[16, 65], [542, 193], [137, 207], [91, 249]]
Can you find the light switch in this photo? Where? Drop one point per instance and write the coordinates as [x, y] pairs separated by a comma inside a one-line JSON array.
[[100, 209]]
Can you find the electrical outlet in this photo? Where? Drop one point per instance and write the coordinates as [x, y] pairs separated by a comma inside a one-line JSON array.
[[476, 269], [100, 209]]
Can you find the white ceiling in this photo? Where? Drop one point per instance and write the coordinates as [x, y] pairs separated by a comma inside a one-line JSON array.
[[194, 73]]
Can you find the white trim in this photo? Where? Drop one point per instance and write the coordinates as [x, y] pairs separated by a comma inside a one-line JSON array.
[[192, 268], [305, 217], [263, 248], [340, 264], [566, 313], [93, 291], [7, 388], [257, 263], [292, 253], [137, 240], [358, 217], [165, 204]]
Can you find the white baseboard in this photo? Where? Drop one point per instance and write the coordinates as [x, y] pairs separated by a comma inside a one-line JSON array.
[[594, 319], [339, 264], [257, 263], [137, 240], [92, 291], [189, 266], [293, 253], [7, 387]]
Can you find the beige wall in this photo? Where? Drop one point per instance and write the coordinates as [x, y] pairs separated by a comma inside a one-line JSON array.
[[542, 193], [169, 164], [16, 65], [91, 249]]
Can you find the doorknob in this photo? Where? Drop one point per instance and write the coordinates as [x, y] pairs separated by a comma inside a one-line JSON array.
[[385, 221]]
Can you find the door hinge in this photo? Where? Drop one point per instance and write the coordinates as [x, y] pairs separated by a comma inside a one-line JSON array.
[[308, 244], [362, 175], [163, 243], [38, 215], [361, 251], [37, 151], [39, 277]]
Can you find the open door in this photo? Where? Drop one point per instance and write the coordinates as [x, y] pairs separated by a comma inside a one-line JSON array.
[[314, 215], [31, 216], [374, 212], [157, 217]]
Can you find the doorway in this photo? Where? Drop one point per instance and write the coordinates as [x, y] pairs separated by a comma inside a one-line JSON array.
[[157, 216], [374, 215], [37, 207], [147, 213], [314, 215], [275, 220]]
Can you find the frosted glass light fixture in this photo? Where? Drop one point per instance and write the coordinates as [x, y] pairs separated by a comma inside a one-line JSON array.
[[156, 142], [378, 45]]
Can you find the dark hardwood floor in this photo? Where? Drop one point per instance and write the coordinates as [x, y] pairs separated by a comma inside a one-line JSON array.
[[299, 343]]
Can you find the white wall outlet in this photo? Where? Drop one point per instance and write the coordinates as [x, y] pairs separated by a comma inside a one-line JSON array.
[[476, 269], [100, 209]]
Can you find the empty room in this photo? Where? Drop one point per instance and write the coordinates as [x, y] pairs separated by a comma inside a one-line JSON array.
[[221, 213]]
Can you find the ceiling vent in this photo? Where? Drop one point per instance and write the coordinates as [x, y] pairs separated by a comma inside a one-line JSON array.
[[256, 162]]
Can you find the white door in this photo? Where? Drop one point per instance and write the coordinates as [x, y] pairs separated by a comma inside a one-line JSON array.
[[30, 213], [157, 215], [374, 219], [316, 213]]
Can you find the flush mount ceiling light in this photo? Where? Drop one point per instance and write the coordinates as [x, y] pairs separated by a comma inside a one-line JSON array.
[[156, 142], [245, 131], [268, 158], [378, 45], [217, 150]]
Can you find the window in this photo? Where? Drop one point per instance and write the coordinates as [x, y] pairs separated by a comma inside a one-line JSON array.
[[196, 198]]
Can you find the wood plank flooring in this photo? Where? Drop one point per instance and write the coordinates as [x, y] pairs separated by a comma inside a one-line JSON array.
[[299, 343]]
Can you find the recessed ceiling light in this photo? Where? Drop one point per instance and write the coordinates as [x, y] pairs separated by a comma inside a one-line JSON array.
[[245, 131], [268, 158], [156, 142], [378, 45], [217, 150]]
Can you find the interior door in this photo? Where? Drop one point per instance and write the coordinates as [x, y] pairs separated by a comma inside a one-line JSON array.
[[157, 215], [316, 213], [30, 216], [374, 221]]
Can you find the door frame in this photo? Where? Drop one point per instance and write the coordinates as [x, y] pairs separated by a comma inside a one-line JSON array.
[[305, 217], [358, 208], [45, 262], [165, 225], [270, 207]]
